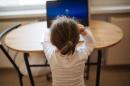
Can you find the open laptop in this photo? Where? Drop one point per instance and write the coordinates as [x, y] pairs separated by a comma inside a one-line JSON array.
[[77, 9]]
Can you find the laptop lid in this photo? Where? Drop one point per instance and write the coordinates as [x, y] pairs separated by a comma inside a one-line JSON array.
[[77, 9]]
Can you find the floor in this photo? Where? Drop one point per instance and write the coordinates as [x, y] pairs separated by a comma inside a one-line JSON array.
[[110, 76]]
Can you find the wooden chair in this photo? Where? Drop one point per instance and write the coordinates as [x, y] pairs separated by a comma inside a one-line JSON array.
[[13, 58]]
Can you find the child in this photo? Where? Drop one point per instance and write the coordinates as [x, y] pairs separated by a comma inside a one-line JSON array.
[[66, 59]]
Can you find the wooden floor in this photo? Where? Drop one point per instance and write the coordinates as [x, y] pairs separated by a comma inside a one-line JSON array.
[[110, 76]]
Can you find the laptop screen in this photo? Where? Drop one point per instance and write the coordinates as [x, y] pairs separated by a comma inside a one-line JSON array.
[[77, 9]]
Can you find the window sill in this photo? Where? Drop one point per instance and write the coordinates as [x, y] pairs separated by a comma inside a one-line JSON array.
[[22, 14]]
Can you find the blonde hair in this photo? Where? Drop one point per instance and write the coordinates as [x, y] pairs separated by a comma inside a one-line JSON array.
[[65, 34]]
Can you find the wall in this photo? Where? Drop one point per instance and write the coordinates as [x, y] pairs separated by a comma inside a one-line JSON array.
[[119, 54], [110, 2]]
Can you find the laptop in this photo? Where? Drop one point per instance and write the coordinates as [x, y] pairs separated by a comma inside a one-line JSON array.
[[77, 9]]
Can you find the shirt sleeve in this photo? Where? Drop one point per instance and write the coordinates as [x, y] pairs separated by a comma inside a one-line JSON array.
[[48, 50], [89, 44]]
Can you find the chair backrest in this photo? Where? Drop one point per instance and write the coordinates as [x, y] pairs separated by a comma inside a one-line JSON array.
[[15, 65], [20, 67], [8, 30], [3, 48]]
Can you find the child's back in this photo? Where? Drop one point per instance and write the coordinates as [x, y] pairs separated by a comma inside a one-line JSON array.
[[67, 70], [66, 59]]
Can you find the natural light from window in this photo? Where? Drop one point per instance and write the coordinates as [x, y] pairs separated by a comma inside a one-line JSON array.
[[4, 3]]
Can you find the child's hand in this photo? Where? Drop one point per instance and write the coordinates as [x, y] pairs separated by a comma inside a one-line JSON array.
[[82, 29]]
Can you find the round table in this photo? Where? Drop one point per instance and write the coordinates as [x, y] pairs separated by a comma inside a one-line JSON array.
[[29, 38]]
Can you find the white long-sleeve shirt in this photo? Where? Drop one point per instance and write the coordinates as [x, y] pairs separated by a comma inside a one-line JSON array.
[[69, 70]]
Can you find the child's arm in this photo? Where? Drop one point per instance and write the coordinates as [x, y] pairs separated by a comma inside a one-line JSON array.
[[48, 49], [89, 41]]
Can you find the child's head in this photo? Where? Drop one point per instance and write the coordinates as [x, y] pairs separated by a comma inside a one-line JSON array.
[[65, 35]]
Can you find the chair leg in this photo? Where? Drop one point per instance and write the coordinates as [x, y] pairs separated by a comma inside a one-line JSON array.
[[13, 63], [20, 79]]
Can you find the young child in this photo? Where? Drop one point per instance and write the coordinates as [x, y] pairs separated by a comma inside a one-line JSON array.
[[66, 59]]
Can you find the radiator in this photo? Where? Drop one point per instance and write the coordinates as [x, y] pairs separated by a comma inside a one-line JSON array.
[[120, 53]]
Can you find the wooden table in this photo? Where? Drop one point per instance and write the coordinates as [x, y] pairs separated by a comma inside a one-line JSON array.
[[28, 38]]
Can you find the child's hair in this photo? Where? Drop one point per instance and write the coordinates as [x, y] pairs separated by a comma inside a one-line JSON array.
[[65, 34]]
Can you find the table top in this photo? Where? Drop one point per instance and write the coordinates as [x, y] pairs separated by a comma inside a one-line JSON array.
[[28, 38]]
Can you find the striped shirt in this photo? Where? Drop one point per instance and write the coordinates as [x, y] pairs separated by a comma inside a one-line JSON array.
[[68, 70]]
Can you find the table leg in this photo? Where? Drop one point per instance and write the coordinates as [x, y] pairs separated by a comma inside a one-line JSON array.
[[98, 68], [88, 68], [28, 68]]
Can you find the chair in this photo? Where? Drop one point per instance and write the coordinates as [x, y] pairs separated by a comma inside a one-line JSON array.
[[6, 52], [21, 69]]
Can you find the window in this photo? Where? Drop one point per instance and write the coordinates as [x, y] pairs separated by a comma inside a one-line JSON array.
[[5, 3], [19, 8]]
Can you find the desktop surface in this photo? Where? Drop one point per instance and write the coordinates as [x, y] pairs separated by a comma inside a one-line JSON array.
[[28, 38]]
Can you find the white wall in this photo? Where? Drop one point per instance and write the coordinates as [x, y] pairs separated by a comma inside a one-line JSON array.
[[110, 2], [120, 53]]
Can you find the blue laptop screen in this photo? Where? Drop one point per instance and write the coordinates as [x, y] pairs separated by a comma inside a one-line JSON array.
[[77, 9]]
